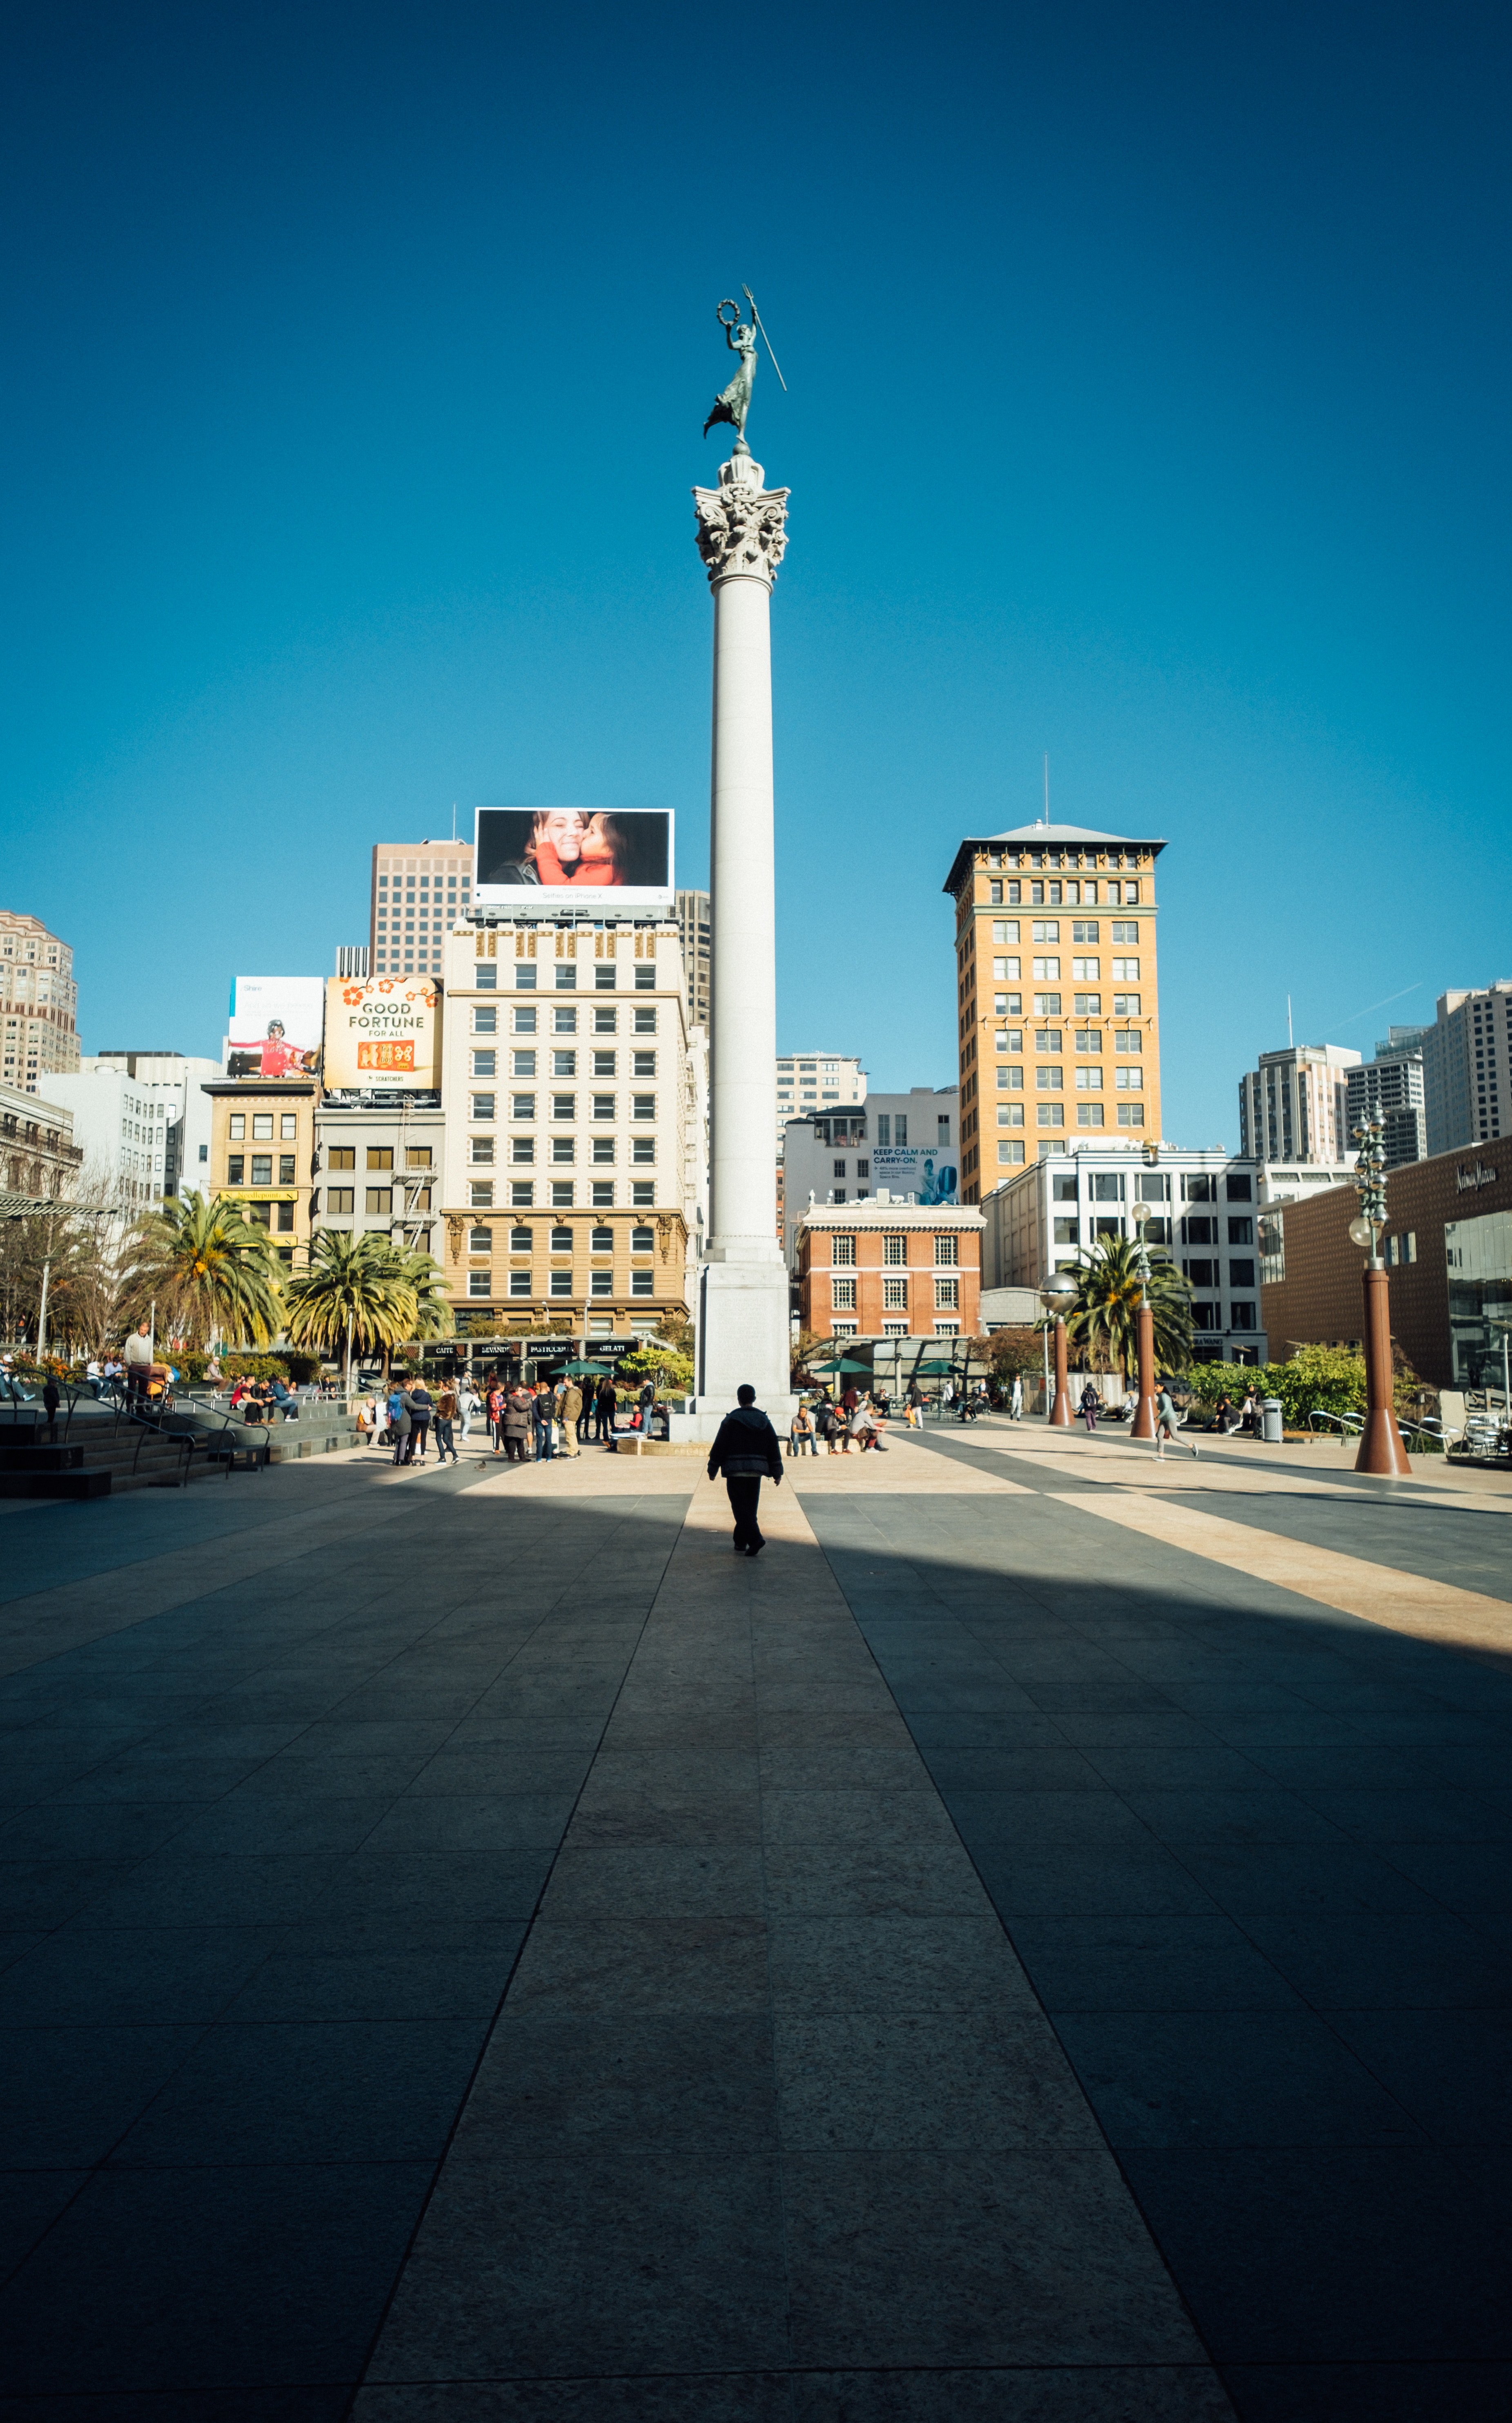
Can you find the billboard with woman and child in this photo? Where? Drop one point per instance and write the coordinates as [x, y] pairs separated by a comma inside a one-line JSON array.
[[584, 858]]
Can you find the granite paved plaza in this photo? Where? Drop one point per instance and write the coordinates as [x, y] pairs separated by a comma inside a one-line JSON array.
[[1034, 1946]]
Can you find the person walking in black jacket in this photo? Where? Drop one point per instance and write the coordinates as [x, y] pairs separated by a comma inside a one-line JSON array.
[[748, 1453]]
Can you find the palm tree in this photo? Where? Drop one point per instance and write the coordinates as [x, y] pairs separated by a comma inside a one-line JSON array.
[[428, 1309], [1110, 1289], [210, 1271], [356, 1288]]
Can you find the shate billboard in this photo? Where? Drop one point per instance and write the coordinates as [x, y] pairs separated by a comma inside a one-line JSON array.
[[538, 861], [384, 1033], [275, 1026]]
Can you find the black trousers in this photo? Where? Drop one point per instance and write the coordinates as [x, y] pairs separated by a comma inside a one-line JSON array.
[[745, 1497]]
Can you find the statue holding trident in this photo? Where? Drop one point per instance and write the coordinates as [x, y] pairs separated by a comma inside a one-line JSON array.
[[734, 402]]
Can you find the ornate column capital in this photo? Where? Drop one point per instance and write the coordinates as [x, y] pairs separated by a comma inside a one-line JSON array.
[[742, 532]]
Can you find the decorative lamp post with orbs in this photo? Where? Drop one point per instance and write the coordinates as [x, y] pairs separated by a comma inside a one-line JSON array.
[[1142, 1426], [1058, 1293], [1381, 1446]]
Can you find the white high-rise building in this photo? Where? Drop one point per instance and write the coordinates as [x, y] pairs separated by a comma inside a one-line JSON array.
[[810, 1082], [1467, 1068], [39, 1004], [1391, 1088], [1295, 1106], [143, 1124]]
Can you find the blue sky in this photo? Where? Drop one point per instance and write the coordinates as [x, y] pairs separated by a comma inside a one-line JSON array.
[[1148, 384]]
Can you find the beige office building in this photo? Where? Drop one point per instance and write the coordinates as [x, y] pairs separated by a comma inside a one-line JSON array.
[[1056, 994], [571, 1127], [39, 1005], [419, 889]]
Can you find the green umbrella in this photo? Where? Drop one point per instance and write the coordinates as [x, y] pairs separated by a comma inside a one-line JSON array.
[[840, 1364], [932, 1371], [575, 1370]]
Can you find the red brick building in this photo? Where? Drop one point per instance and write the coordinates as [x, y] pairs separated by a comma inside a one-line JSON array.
[[1449, 1250], [877, 1268]]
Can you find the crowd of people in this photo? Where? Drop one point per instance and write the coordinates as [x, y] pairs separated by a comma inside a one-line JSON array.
[[524, 1422]]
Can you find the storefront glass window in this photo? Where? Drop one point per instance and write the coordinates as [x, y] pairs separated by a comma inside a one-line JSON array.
[[1479, 1255]]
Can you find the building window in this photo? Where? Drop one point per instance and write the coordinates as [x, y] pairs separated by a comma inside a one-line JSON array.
[[1051, 1079], [522, 1193], [895, 1295], [478, 1283], [341, 1156], [1128, 1039], [1089, 1081], [1129, 1080], [1009, 1155], [523, 1022], [561, 1283], [1241, 1232], [1236, 1186], [1126, 971], [642, 1106], [262, 1169], [236, 1169], [603, 1150], [842, 1251], [1130, 1114], [1242, 1274], [483, 1152], [642, 1282], [480, 1241], [483, 1106], [563, 1149], [485, 1064], [418, 1157], [520, 1283], [1051, 1115], [480, 1195], [1242, 1316], [261, 1127], [485, 1020], [645, 1018], [1010, 1080], [1011, 1115], [380, 1156], [601, 1283], [289, 1125], [1126, 931], [286, 1170], [237, 1126], [844, 1294], [564, 1022], [339, 1200], [643, 1148], [895, 1249], [522, 1149], [947, 1252], [1090, 1115], [379, 1198]]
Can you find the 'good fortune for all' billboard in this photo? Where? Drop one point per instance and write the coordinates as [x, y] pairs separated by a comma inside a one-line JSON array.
[[538, 861], [381, 1034], [275, 1026]]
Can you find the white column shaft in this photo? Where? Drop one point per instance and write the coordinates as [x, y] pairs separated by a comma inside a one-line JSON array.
[[743, 1066]]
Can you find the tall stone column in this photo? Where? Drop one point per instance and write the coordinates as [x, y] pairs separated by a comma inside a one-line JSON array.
[[743, 1324]]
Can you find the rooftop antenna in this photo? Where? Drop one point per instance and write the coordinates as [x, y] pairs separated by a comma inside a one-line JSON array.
[[1046, 818]]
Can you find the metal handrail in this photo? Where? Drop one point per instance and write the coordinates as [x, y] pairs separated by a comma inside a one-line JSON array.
[[1350, 1425]]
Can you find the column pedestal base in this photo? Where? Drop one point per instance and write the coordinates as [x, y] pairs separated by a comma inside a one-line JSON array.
[[744, 1333]]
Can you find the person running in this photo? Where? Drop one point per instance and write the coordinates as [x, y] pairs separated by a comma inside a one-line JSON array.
[[1090, 1406], [1165, 1423], [748, 1454]]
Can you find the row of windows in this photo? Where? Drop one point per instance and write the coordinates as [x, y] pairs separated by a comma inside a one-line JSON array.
[[1048, 971], [895, 1249], [1115, 1186], [559, 1240], [378, 1198], [606, 977], [1083, 1005], [1052, 1080], [269, 1215], [1052, 1115], [261, 1125], [563, 1064], [563, 1020], [895, 1295], [1062, 896], [564, 1107], [1127, 1039], [379, 1156], [562, 1193], [1083, 929], [559, 1284], [236, 1166], [603, 1150]]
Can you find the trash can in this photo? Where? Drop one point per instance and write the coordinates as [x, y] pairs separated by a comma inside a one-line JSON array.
[[1270, 1420]]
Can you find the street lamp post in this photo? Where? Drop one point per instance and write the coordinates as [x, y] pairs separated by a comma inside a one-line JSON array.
[[1142, 1426], [1057, 1293], [1381, 1446]]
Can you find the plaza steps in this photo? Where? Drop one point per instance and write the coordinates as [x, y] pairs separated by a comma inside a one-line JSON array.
[[97, 1468]]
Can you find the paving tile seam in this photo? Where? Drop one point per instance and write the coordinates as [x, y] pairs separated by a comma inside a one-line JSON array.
[[417, 2224]]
